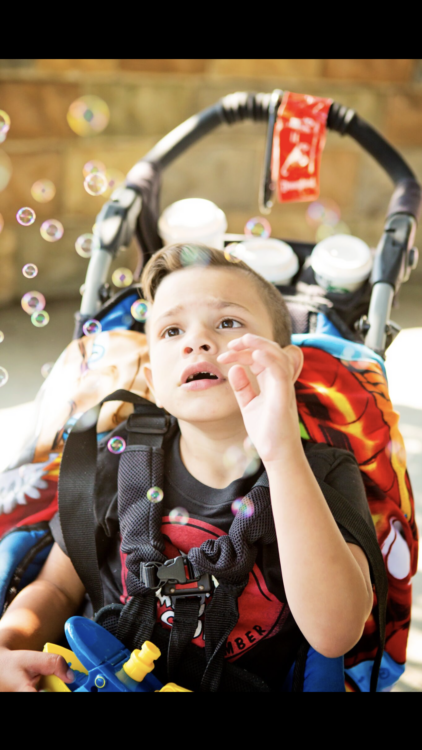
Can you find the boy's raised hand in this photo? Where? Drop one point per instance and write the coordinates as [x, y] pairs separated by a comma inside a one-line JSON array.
[[20, 671], [270, 417]]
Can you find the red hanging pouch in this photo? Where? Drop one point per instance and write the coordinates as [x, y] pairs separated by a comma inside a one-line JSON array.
[[299, 138]]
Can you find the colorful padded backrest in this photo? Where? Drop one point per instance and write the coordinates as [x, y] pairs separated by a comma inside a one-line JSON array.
[[343, 400]]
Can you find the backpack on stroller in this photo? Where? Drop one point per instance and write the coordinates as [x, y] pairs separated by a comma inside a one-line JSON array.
[[342, 392]]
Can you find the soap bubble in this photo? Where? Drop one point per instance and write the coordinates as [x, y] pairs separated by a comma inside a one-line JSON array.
[[139, 310], [243, 506], [5, 170], [122, 277], [1, 222], [230, 252], [191, 255], [82, 289], [88, 115], [96, 183], [33, 302], [116, 445], [29, 270], [155, 495], [258, 227], [234, 457], [324, 211], [51, 230], [91, 327], [85, 244], [43, 191], [1, 336], [26, 216], [92, 167], [4, 376], [179, 516], [326, 230], [4, 125], [40, 319], [46, 369]]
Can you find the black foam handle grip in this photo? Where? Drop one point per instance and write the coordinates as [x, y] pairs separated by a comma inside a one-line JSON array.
[[406, 199]]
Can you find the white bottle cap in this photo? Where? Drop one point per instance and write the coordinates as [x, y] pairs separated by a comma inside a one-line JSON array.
[[193, 220], [273, 259], [341, 262]]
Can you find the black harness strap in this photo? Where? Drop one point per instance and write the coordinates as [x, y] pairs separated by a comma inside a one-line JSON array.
[[76, 493], [185, 623]]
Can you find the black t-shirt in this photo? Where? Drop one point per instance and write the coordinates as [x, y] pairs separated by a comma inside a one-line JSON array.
[[266, 637]]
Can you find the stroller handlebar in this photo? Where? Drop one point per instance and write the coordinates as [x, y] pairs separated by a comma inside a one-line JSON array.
[[244, 105]]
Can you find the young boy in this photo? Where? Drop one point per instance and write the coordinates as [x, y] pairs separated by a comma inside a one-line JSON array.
[[213, 315]]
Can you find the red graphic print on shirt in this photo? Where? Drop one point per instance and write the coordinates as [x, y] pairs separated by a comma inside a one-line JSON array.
[[261, 614]]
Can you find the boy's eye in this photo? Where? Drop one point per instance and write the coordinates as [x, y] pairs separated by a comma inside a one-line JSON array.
[[176, 328]]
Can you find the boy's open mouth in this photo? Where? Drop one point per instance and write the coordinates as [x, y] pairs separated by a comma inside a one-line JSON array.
[[200, 381]]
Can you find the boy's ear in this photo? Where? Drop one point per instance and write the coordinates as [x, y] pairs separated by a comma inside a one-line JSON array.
[[147, 373], [295, 355]]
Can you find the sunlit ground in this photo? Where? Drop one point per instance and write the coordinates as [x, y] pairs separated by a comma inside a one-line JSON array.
[[24, 351]]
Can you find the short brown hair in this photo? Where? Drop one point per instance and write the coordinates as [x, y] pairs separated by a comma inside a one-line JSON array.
[[176, 257]]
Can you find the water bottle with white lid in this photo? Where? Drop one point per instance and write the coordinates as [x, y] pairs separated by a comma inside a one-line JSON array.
[[193, 220], [273, 259], [341, 263]]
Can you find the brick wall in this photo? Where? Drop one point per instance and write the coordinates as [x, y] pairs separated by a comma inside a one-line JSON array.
[[147, 98]]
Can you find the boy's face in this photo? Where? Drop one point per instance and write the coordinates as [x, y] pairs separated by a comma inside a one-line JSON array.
[[199, 332]]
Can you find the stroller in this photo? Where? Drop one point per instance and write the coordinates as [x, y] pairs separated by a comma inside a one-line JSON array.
[[344, 338]]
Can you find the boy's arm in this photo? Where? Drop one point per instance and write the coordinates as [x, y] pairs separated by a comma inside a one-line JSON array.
[[327, 580], [35, 616]]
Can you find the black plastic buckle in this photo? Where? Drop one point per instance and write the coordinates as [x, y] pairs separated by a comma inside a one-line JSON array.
[[176, 584]]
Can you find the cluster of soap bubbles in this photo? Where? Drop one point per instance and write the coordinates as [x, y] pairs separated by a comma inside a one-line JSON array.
[[43, 191], [122, 277], [179, 516], [324, 216], [155, 494], [139, 310], [243, 506], [33, 304], [4, 125], [88, 115], [116, 445], [257, 227], [86, 244], [91, 327]]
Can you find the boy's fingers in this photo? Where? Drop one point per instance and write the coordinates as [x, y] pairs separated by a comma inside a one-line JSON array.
[[242, 388], [46, 664], [251, 341]]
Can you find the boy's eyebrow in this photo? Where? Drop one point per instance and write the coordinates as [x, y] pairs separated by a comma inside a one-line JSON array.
[[218, 304]]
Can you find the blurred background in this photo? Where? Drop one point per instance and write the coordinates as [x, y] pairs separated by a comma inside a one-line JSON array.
[[144, 99]]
